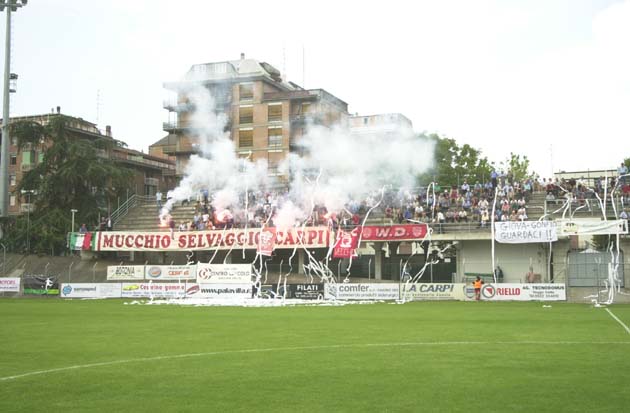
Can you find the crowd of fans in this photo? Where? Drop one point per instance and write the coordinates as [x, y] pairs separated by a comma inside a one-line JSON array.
[[469, 203]]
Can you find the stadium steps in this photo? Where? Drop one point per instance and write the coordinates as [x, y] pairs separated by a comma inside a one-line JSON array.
[[146, 218]]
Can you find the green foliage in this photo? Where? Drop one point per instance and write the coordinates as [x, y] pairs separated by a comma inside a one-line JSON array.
[[72, 175], [455, 163], [517, 168]]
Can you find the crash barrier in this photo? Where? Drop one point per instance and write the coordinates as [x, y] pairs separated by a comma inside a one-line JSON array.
[[361, 291]]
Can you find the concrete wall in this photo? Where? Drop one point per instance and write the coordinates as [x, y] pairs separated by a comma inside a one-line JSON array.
[[474, 256]]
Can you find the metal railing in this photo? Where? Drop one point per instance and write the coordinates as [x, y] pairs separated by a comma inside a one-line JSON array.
[[129, 204]]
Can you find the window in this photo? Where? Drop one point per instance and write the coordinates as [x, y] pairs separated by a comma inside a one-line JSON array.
[[245, 138], [27, 157], [12, 180], [246, 91], [275, 137], [246, 115], [274, 112], [13, 159], [14, 140], [40, 157], [12, 200], [306, 107], [273, 162], [365, 121]]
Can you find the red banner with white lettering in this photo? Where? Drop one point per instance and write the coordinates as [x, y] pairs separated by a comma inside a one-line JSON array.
[[394, 232], [346, 244], [266, 241], [309, 237]]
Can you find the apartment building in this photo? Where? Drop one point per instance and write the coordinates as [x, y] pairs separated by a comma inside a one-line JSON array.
[[150, 172], [264, 114], [381, 124]]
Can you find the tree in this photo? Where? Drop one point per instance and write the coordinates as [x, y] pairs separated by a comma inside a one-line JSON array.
[[454, 163], [74, 173], [517, 168]]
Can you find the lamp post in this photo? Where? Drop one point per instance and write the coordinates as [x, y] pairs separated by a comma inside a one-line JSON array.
[[10, 6], [28, 193], [73, 212], [4, 259]]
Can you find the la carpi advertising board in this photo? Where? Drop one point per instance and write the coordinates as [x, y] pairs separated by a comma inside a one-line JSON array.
[[524, 292], [384, 291], [224, 273], [91, 290], [432, 291], [170, 272]]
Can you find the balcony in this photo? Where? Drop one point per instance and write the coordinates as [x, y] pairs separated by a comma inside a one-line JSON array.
[[294, 94], [314, 118], [173, 105]]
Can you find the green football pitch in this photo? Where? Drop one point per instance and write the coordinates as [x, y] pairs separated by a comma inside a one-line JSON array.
[[103, 355]]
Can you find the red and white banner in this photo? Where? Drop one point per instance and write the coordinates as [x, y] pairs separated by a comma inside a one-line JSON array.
[[9, 285], [394, 232], [523, 292], [266, 241], [346, 244], [310, 237]]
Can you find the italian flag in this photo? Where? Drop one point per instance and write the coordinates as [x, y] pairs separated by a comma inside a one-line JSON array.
[[80, 241]]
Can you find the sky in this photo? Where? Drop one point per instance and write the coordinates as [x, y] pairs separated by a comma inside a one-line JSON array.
[[548, 79]]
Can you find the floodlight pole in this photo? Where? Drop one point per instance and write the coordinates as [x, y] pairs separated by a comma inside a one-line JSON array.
[[9, 5]]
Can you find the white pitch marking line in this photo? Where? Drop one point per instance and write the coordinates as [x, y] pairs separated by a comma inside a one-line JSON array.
[[333, 346], [625, 327]]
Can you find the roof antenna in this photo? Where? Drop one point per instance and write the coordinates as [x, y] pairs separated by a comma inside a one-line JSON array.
[[284, 64], [303, 67]]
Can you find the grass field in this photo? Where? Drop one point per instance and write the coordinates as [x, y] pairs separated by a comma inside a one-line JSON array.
[[423, 356]]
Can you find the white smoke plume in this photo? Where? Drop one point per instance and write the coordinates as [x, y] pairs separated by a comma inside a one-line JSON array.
[[339, 167]]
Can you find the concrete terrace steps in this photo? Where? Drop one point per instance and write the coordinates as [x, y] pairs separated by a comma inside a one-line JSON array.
[[146, 218]]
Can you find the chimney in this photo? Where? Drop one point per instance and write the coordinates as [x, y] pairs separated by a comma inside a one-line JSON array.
[[108, 130], [58, 109], [242, 56]]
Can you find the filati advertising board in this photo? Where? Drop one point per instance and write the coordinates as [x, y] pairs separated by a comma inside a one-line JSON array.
[[125, 272]]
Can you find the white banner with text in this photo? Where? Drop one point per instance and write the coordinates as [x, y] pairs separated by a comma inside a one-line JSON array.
[[384, 291], [520, 232]]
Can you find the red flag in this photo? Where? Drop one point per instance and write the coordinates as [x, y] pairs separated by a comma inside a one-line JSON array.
[[346, 244], [266, 241], [87, 241]]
